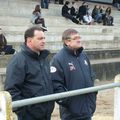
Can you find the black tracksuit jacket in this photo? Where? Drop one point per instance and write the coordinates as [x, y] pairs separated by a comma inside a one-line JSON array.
[[28, 75], [71, 71]]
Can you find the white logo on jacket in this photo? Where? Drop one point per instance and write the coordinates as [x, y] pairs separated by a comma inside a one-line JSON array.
[[72, 67], [53, 69]]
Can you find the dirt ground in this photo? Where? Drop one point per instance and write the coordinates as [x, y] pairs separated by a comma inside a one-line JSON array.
[[105, 102]]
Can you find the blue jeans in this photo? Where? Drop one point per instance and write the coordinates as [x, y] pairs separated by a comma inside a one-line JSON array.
[[44, 4]]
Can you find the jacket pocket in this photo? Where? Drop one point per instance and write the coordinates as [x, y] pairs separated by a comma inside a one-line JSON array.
[[92, 101], [76, 102], [37, 111]]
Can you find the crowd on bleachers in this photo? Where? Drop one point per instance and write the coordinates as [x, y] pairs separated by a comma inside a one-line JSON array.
[[84, 15], [81, 14]]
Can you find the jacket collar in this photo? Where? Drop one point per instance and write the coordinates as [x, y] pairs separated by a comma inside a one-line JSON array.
[[43, 54], [73, 52]]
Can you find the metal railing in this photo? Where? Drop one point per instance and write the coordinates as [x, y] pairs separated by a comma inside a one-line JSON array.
[[46, 98], [51, 97]]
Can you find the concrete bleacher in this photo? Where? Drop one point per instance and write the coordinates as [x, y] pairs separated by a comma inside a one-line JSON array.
[[102, 43]]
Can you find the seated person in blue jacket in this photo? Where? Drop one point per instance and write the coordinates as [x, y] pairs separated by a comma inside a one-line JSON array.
[[37, 18], [71, 70], [4, 48]]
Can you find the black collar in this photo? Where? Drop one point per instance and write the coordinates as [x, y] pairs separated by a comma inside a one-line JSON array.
[[73, 52], [43, 54]]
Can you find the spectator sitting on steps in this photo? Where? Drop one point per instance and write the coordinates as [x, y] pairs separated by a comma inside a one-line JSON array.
[[107, 18], [88, 19], [82, 11], [4, 48], [66, 14], [37, 18], [73, 10]]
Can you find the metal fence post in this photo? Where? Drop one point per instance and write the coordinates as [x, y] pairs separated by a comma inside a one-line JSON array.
[[5, 106], [117, 99]]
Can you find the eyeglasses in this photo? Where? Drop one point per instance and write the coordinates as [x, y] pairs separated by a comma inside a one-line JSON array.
[[75, 38]]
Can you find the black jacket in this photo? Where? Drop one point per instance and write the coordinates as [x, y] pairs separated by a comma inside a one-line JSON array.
[[28, 76], [65, 10], [82, 10], [71, 71], [73, 11]]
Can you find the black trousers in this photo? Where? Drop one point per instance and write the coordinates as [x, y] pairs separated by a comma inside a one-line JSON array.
[[71, 18], [66, 115]]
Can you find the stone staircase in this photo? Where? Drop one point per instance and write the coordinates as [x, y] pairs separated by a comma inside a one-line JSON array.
[[15, 22], [102, 43]]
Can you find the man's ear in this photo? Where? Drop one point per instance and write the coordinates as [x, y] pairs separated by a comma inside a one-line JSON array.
[[29, 39], [66, 42]]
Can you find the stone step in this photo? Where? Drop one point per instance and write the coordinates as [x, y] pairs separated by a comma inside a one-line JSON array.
[[25, 21], [56, 37], [55, 47], [101, 54], [106, 69], [4, 59], [57, 20], [2, 78], [56, 44], [59, 28], [17, 21], [18, 9]]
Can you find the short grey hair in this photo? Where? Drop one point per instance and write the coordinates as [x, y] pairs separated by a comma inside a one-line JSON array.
[[67, 34]]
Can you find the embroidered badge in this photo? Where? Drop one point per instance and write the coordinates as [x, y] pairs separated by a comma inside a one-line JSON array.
[[72, 67]]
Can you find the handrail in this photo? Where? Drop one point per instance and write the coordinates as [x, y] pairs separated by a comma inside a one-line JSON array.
[[6, 103], [46, 98]]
